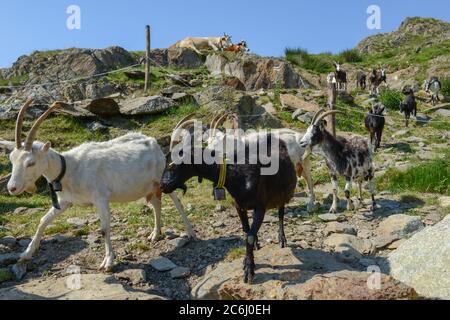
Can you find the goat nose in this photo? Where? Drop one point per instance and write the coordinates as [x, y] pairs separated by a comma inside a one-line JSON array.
[[12, 189]]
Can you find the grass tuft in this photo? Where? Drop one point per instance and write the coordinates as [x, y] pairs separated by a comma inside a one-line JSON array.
[[429, 177]]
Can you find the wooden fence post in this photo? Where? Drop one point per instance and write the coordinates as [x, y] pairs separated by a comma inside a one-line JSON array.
[[332, 96], [147, 60]]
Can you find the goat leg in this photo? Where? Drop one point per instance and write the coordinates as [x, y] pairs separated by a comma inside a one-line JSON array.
[[348, 187], [249, 269], [257, 246], [50, 216], [312, 206], [335, 184], [105, 221], [281, 234], [369, 179], [378, 143]]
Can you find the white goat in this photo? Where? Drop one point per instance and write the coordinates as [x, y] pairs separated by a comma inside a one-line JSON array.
[[121, 170]]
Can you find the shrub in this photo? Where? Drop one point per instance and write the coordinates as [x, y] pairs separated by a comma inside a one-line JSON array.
[[391, 99], [350, 55], [321, 63], [446, 87]]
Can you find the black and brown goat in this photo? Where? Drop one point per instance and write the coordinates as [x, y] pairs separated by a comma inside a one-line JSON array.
[[350, 158], [341, 76], [361, 80], [375, 122], [250, 189], [376, 78], [409, 106]]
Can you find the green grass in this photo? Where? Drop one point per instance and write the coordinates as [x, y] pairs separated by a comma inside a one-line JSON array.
[[350, 56], [5, 275], [15, 81], [235, 254], [429, 177], [445, 87], [320, 63], [350, 121]]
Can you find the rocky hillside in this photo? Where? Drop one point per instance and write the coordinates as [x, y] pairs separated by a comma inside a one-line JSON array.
[[413, 34], [419, 49], [328, 255]]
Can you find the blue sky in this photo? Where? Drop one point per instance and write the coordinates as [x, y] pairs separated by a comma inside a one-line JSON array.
[[268, 26]]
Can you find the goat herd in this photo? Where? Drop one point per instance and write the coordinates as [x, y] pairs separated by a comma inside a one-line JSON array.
[[134, 166]]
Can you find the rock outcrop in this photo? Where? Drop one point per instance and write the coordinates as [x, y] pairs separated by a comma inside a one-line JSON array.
[[423, 261], [296, 274], [255, 72], [146, 105]]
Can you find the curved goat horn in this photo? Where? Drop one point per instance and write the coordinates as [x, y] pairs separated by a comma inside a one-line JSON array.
[[178, 130], [32, 134], [19, 122], [326, 114], [215, 119], [188, 117], [235, 121], [219, 122], [313, 121]]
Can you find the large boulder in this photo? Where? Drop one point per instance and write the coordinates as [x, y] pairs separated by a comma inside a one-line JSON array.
[[178, 57], [105, 107], [251, 115], [68, 64], [215, 63], [75, 287], [184, 58], [256, 72], [146, 105], [293, 274], [423, 261]]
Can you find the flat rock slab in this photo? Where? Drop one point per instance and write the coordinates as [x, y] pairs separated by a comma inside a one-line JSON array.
[[146, 105], [294, 274], [162, 264], [135, 276], [400, 225], [329, 217], [75, 287]]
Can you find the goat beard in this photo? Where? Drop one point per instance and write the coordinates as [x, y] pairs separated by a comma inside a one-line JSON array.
[[184, 188]]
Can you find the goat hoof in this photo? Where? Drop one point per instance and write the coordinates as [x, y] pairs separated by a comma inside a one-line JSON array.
[[249, 271], [282, 241], [333, 211], [107, 265], [24, 258], [155, 237]]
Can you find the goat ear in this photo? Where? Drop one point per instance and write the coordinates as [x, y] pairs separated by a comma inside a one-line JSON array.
[[8, 146], [46, 147]]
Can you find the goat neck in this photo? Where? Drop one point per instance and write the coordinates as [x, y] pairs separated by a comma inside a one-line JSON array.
[[208, 171], [54, 165]]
